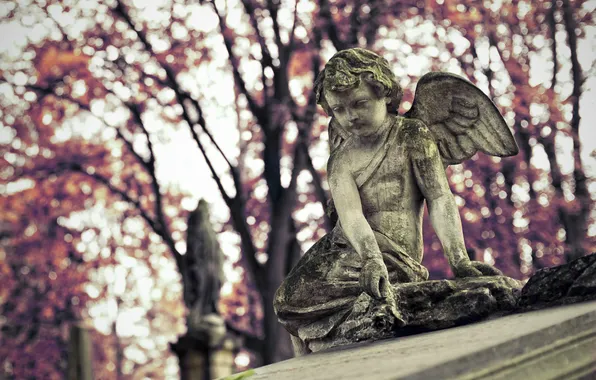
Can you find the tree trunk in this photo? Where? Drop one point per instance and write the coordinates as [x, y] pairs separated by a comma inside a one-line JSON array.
[[119, 353], [282, 247], [278, 345], [578, 218], [271, 160]]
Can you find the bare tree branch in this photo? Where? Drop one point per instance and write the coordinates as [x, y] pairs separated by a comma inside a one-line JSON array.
[[148, 165], [203, 124], [332, 32], [355, 24], [159, 210], [317, 183], [235, 204], [50, 91], [578, 80], [251, 12], [292, 41], [225, 31], [159, 227], [273, 7], [76, 167], [181, 96], [266, 60], [173, 83], [552, 24]]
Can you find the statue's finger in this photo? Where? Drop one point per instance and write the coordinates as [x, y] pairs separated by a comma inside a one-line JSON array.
[[467, 271], [363, 282], [384, 287], [374, 285], [487, 270]]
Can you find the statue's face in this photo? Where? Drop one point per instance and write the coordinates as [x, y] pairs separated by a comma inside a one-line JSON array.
[[358, 110]]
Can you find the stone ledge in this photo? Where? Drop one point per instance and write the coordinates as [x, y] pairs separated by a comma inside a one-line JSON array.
[[561, 351], [534, 338], [489, 349]]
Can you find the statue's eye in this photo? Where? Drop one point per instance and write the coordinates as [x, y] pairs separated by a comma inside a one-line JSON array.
[[337, 109], [362, 103]]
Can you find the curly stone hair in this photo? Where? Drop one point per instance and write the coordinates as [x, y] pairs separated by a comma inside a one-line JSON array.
[[345, 70]]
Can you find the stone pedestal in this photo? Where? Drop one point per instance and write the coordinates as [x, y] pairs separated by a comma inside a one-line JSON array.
[[198, 361], [222, 359], [425, 306], [80, 353], [547, 330], [554, 343]]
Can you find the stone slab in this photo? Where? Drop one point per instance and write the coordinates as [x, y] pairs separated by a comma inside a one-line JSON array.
[[541, 344]]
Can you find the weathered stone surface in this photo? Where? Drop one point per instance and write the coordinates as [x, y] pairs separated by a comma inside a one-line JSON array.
[[383, 169], [439, 304], [565, 284], [555, 343], [444, 303], [423, 306]]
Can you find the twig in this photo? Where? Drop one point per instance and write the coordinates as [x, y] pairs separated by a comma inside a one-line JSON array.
[[252, 104], [273, 7], [332, 31], [553, 32], [50, 91], [354, 24], [292, 41]]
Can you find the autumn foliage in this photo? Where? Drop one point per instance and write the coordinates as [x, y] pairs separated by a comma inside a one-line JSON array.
[[117, 116]]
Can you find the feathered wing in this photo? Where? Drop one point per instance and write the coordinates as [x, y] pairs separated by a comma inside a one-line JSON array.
[[462, 119]]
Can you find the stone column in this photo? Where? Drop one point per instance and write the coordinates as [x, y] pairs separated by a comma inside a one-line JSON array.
[[207, 352], [80, 354], [222, 358], [192, 355]]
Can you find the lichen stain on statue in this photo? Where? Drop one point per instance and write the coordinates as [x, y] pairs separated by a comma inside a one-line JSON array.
[[364, 280]]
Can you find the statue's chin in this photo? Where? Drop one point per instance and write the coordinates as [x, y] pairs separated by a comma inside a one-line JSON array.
[[363, 130], [368, 132]]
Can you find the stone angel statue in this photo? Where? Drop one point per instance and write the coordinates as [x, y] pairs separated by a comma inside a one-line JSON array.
[[383, 168]]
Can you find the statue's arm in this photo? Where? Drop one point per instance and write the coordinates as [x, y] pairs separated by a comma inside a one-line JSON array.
[[349, 207], [374, 278], [432, 181]]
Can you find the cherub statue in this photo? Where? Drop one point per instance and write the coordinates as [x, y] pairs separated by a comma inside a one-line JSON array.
[[382, 169]]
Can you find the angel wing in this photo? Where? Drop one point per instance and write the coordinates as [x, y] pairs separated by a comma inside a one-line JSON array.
[[462, 119]]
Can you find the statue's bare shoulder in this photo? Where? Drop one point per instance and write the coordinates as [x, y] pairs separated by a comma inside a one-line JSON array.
[[341, 161], [417, 137]]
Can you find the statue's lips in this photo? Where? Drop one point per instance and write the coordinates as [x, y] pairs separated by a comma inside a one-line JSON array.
[[357, 125]]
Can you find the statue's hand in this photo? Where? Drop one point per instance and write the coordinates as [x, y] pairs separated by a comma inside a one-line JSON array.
[[374, 278], [474, 269]]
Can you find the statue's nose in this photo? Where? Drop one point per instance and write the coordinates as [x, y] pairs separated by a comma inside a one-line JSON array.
[[352, 116]]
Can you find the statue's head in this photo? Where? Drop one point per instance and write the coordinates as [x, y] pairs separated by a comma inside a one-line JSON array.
[[347, 68]]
